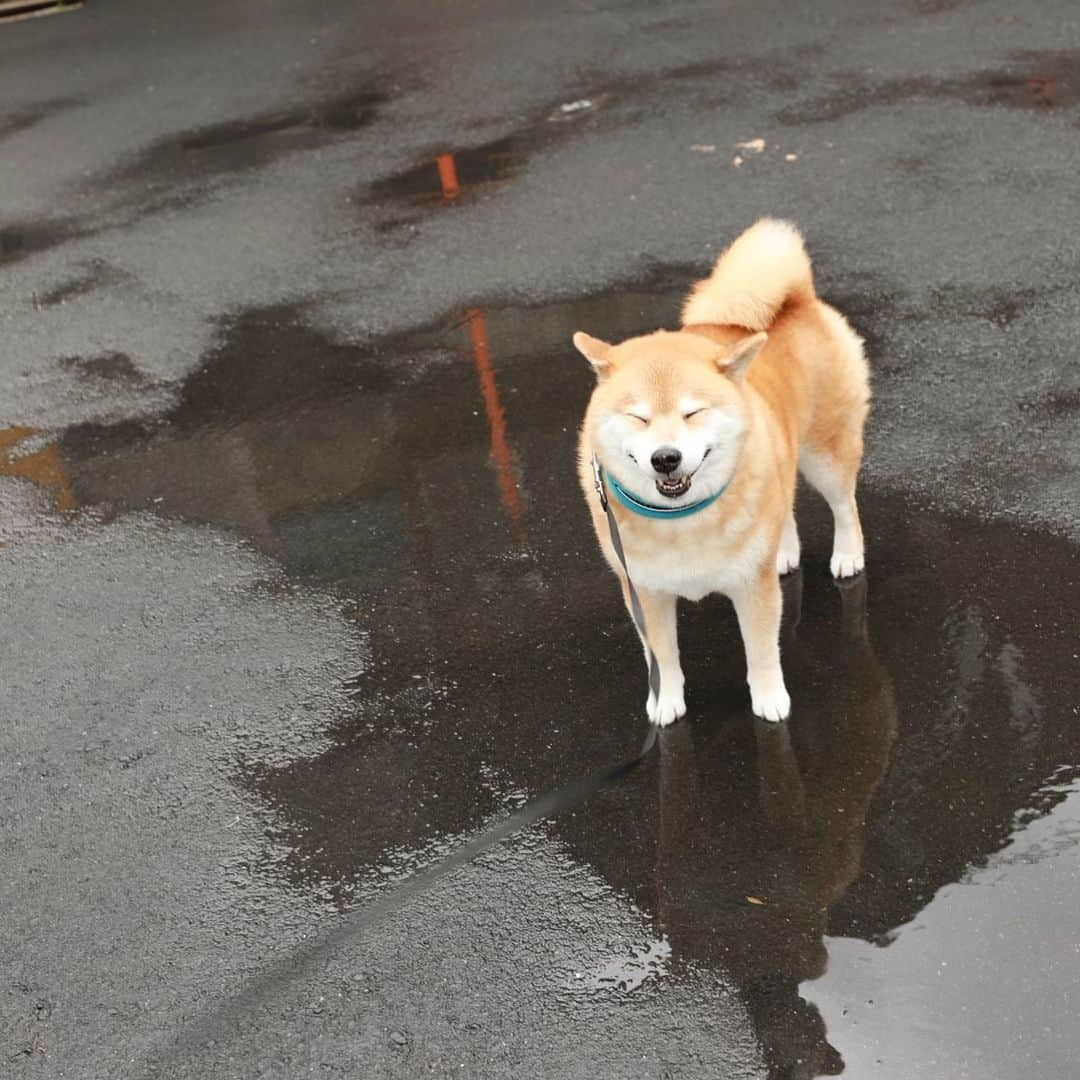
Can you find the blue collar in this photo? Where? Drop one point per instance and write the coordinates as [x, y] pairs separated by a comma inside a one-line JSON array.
[[668, 513]]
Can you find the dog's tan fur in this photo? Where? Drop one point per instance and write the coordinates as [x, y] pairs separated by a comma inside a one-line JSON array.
[[782, 386]]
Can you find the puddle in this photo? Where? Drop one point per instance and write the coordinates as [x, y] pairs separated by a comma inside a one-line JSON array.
[[252, 142], [349, 113], [113, 366], [1056, 404], [175, 172], [28, 456], [451, 174], [1036, 81], [96, 274], [937, 976], [429, 481], [1000, 306], [16, 121], [939, 7], [20, 241]]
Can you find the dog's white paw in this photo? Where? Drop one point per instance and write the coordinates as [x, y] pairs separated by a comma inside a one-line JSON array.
[[787, 555], [670, 707], [773, 703], [786, 561], [847, 564]]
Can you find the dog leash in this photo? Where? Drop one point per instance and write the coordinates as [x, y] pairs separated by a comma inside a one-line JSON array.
[[215, 1027], [635, 603], [569, 794]]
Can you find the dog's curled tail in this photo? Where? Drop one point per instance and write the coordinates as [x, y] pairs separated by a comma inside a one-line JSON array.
[[764, 269]]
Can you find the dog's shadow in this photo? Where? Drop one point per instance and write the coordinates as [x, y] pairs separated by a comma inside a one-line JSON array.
[[761, 826]]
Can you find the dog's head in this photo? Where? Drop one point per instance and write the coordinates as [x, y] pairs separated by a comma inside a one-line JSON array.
[[669, 414]]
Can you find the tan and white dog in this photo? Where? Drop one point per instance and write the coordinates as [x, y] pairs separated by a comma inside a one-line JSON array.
[[713, 421]]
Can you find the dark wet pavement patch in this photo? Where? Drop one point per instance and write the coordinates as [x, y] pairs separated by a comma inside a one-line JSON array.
[[348, 113], [1033, 81], [999, 305], [1055, 404], [428, 480], [451, 173], [454, 173], [252, 142], [30, 455], [112, 366], [94, 274], [20, 240], [15, 121]]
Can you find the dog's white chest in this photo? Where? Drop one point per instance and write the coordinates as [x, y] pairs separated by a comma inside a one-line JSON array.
[[688, 581], [697, 573]]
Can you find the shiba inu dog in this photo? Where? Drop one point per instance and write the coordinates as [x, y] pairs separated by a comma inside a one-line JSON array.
[[700, 434]]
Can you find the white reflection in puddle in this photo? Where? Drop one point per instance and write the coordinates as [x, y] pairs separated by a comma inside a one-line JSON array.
[[985, 982]]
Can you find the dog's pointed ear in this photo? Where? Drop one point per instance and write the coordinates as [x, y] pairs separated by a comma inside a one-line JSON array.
[[736, 360], [595, 351]]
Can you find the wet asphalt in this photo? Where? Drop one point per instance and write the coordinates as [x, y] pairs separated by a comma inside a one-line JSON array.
[[302, 602]]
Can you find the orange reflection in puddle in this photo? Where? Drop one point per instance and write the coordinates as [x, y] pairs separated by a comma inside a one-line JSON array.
[[448, 177], [44, 467], [455, 174], [501, 453]]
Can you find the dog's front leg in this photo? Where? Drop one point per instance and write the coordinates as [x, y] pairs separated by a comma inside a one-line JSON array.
[[660, 624], [757, 604]]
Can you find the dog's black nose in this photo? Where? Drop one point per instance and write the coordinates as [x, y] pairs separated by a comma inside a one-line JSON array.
[[666, 459]]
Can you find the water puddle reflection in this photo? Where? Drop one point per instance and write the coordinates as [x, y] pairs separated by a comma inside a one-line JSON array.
[[30, 455], [1002, 943], [452, 174], [429, 480]]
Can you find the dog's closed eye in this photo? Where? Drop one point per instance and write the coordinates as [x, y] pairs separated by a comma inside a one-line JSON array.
[[634, 416]]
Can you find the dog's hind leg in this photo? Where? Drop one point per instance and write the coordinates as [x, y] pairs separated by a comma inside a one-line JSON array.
[[833, 471]]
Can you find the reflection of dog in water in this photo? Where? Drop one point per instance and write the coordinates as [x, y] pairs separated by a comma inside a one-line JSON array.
[[752, 859]]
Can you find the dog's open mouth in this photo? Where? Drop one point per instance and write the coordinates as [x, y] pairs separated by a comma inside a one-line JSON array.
[[673, 486]]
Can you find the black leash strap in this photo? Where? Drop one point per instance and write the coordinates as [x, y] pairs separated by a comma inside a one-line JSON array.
[[217, 1026], [561, 798], [635, 602]]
